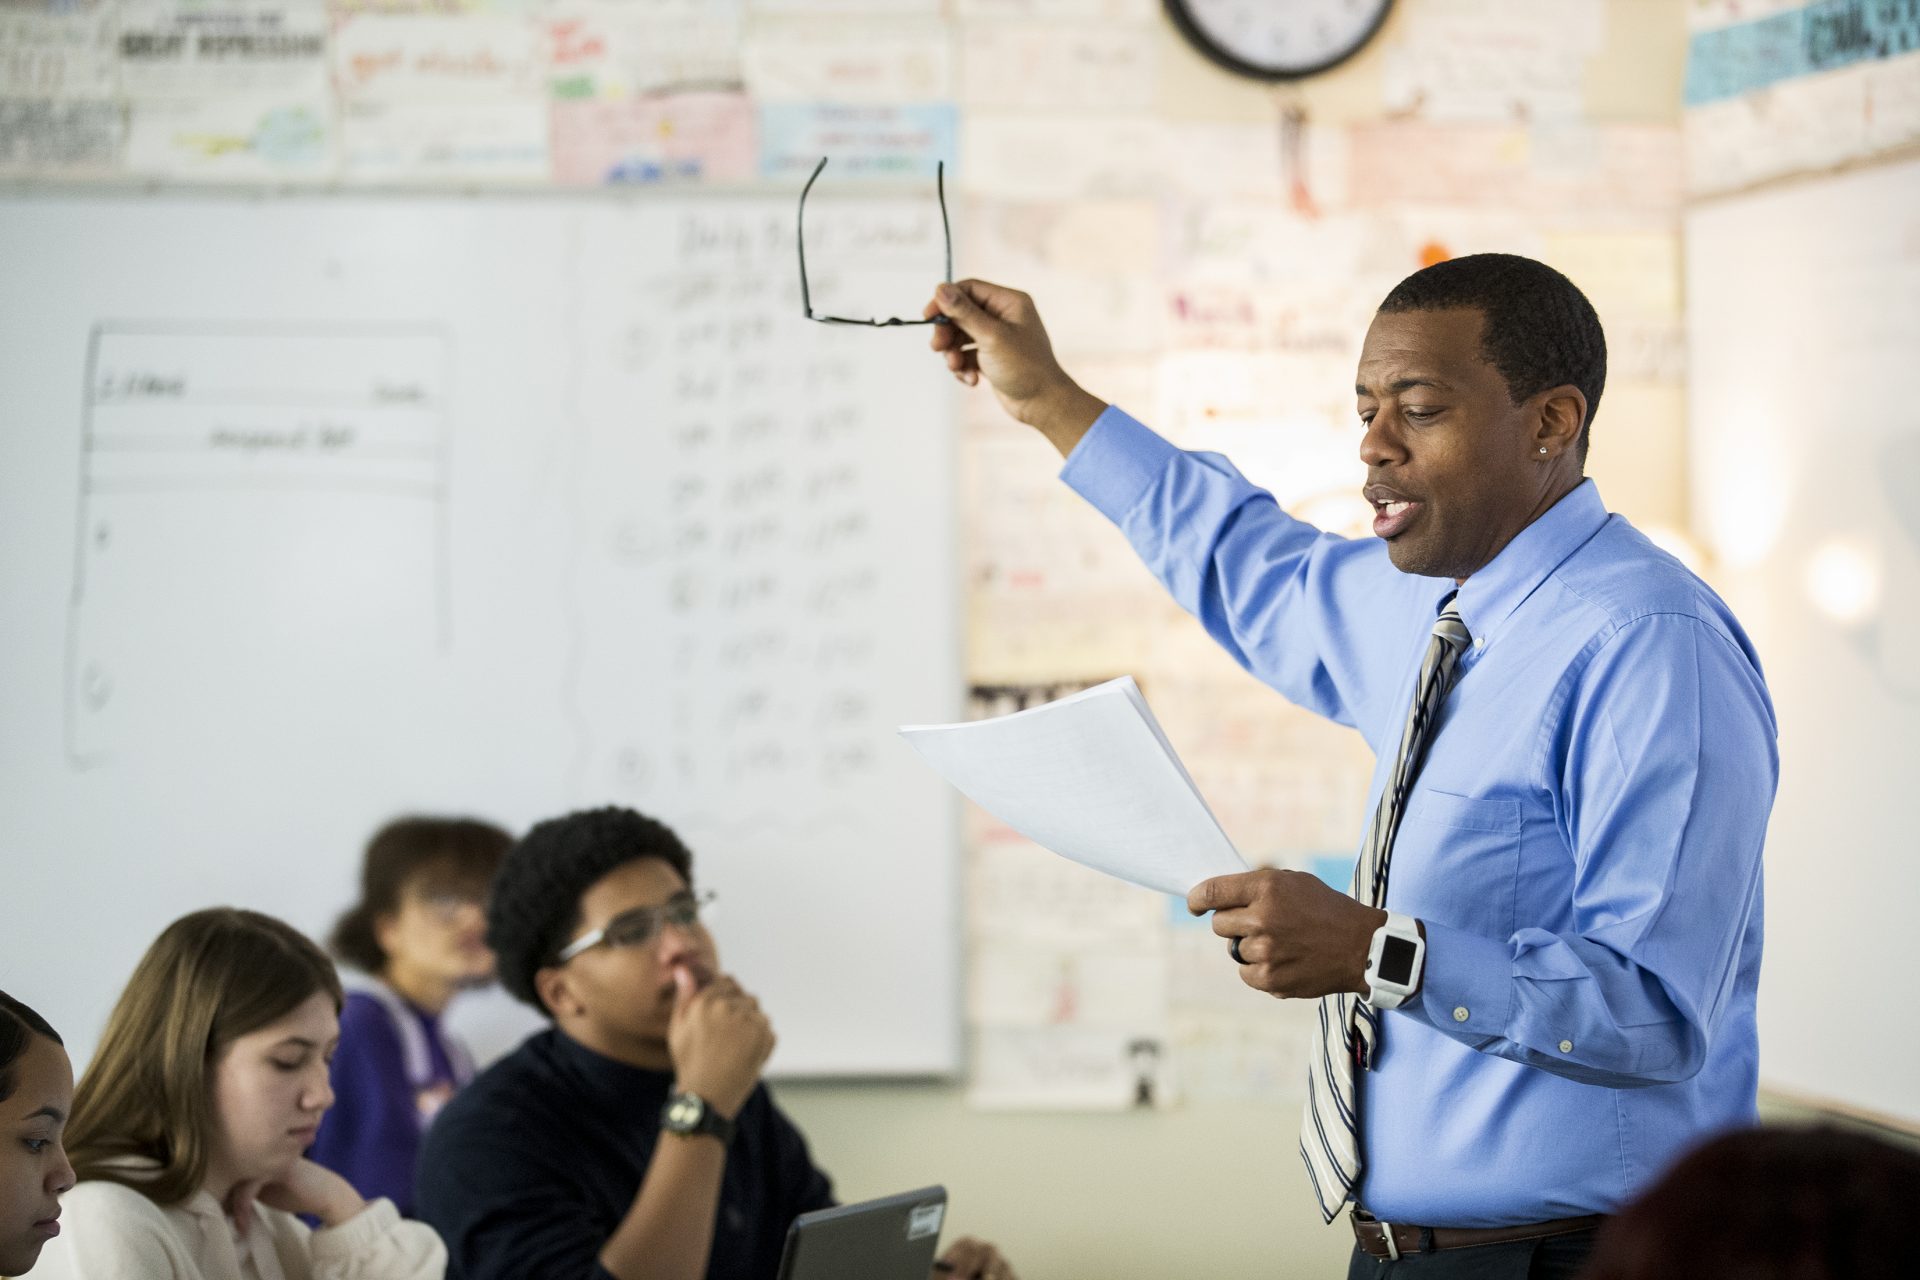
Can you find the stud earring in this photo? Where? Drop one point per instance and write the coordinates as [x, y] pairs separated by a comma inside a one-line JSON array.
[[1543, 448]]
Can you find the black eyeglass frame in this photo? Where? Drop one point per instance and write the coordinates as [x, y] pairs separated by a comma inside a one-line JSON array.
[[806, 295]]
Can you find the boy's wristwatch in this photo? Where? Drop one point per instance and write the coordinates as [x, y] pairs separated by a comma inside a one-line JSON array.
[[690, 1114]]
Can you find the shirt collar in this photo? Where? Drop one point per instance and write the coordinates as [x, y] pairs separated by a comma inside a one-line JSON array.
[[1489, 597]]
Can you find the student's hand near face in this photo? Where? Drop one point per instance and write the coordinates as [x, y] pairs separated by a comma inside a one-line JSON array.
[[305, 1187], [1011, 348], [970, 1259], [719, 1040]]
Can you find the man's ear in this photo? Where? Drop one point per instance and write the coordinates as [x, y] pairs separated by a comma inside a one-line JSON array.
[[556, 993], [1562, 417]]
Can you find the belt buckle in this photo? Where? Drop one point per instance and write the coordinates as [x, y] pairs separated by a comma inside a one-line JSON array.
[[1386, 1234]]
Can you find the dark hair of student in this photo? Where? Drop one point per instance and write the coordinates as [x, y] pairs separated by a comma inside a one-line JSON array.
[[18, 1025], [433, 855], [208, 979], [1817, 1203], [536, 896], [1540, 331]]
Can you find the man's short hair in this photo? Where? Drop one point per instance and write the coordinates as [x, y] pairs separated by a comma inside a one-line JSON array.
[[535, 905], [1540, 329]]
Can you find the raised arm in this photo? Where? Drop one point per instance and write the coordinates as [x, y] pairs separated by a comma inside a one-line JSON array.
[[1309, 613], [720, 1039], [510, 1208]]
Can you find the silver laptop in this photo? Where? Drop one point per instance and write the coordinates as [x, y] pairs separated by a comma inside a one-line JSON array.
[[892, 1238]]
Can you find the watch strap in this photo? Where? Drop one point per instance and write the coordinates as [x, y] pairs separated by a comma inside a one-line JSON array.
[[691, 1115], [1403, 932]]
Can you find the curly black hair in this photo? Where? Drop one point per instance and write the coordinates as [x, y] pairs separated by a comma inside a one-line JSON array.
[[1540, 329], [536, 894]]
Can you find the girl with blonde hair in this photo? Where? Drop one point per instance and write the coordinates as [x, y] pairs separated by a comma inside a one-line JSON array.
[[190, 1126]]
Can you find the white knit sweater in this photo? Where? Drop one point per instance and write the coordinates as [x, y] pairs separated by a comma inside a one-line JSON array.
[[111, 1232]]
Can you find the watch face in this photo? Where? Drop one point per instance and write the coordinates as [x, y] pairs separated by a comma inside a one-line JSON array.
[[684, 1113], [1396, 962], [1278, 39]]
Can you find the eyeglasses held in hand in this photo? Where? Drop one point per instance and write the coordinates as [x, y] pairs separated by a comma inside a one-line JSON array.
[[638, 927], [806, 297]]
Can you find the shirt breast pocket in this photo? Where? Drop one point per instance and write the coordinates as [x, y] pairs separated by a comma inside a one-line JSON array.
[[1456, 859]]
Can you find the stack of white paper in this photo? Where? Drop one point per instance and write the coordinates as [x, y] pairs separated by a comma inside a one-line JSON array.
[[1091, 777]]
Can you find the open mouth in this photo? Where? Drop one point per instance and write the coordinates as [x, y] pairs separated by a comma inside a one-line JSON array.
[[1391, 517]]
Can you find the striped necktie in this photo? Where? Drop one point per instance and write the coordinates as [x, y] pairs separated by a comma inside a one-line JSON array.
[[1349, 1027]]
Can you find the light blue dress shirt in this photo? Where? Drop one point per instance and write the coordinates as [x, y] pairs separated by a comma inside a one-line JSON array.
[[1582, 844]]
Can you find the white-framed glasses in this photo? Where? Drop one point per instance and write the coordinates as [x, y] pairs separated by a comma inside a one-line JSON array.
[[640, 926]]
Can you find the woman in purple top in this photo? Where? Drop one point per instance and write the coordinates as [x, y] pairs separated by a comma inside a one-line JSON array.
[[418, 933]]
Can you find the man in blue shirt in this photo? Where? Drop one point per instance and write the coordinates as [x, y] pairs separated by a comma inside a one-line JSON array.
[[1579, 852]]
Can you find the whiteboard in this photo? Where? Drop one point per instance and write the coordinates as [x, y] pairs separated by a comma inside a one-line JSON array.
[[1804, 324], [317, 510]]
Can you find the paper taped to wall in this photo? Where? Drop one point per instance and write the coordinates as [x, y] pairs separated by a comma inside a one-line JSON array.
[[1092, 777]]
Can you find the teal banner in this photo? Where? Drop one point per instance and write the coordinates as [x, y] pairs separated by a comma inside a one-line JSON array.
[[1730, 61]]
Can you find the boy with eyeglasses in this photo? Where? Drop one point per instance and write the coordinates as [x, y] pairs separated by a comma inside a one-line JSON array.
[[632, 1139]]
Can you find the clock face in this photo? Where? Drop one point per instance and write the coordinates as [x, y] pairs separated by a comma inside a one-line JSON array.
[[1278, 39]]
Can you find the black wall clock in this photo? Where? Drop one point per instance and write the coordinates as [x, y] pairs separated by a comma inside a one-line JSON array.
[[1278, 39]]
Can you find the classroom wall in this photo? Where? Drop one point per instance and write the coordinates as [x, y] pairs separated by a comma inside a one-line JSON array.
[[1802, 240], [1207, 252]]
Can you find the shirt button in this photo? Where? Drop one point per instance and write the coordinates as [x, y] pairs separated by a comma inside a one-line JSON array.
[[1460, 1013], [1566, 1046], [1479, 642]]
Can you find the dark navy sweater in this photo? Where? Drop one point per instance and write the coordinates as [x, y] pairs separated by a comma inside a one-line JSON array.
[[528, 1172]]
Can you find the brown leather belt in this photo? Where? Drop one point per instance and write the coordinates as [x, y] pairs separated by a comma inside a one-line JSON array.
[[1389, 1240]]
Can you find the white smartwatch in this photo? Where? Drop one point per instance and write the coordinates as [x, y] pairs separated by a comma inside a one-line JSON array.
[[1394, 961]]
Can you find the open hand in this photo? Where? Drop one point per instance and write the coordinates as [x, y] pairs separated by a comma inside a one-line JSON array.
[[308, 1188]]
